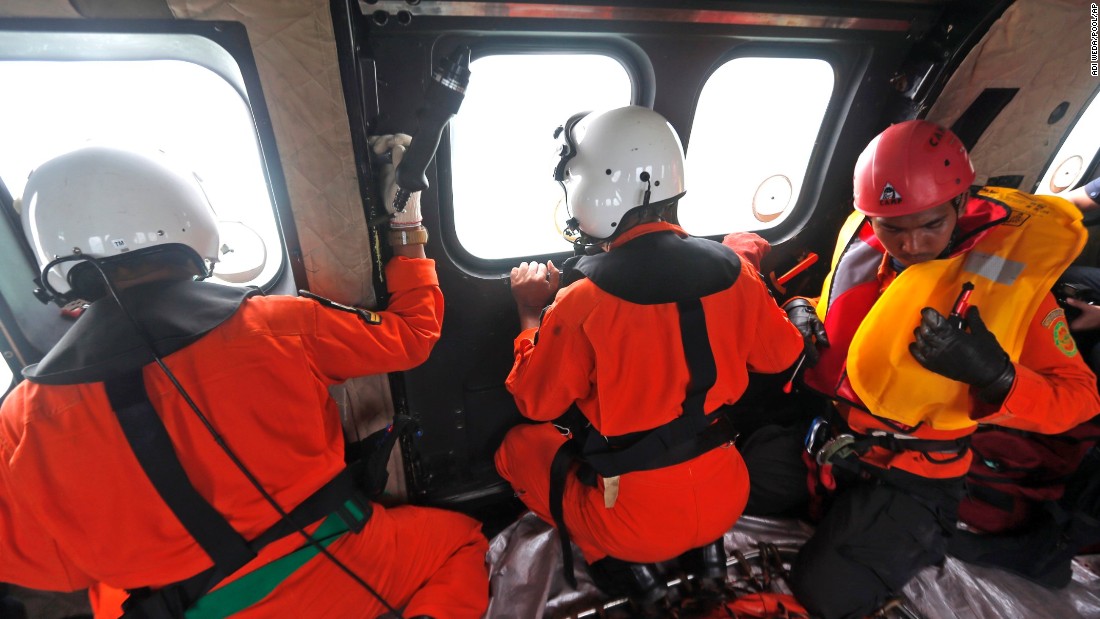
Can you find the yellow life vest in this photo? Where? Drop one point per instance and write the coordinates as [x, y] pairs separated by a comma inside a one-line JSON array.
[[1012, 266]]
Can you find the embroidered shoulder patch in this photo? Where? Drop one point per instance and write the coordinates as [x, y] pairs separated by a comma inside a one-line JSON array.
[[1062, 337], [1054, 314]]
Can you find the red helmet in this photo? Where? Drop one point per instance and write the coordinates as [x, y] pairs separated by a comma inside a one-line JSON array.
[[910, 167]]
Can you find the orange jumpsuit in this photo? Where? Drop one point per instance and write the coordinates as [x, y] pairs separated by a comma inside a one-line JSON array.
[[623, 365], [77, 509], [880, 531]]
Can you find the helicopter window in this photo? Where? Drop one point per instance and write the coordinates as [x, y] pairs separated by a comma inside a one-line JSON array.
[[506, 202], [755, 127], [184, 109], [1074, 159]]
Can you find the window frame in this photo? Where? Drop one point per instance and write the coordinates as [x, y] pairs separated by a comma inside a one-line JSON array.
[[26, 325], [828, 132], [154, 39], [639, 71]]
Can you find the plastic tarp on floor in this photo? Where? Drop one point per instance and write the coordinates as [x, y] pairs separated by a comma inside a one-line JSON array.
[[527, 582]]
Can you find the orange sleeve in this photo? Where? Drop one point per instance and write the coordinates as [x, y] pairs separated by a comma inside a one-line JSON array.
[[553, 364], [1054, 389], [29, 556], [778, 342], [344, 345]]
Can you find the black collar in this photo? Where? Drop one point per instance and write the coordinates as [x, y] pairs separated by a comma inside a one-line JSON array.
[[661, 267], [103, 342]]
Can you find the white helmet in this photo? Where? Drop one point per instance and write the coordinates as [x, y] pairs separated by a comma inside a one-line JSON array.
[[105, 202], [615, 161]]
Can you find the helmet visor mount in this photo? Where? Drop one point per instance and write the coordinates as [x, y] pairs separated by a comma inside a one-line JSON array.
[[567, 150]]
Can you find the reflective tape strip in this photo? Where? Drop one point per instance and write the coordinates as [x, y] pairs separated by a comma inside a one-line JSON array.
[[993, 268]]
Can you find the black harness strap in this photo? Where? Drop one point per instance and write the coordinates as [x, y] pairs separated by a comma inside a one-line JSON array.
[[848, 458], [690, 435], [564, 458], [149, 439], [958, 447], [672, 442], [153, 448]]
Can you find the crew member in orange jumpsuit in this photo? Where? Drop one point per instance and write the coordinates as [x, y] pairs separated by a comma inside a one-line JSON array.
[[614, 345], [77, 506], [914, 365]]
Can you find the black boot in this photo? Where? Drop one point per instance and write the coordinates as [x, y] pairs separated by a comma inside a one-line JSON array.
[[708, 562], [641, 582]]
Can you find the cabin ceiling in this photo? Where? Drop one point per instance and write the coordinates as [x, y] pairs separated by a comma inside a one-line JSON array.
[[1047, 71]]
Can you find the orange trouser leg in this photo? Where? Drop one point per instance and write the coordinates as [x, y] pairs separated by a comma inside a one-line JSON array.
[[524, 459], [452, 547], [422, 561]]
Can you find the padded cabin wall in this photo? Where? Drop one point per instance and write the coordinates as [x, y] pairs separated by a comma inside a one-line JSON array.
[[37, 8], [296, 55], [1019, 51]]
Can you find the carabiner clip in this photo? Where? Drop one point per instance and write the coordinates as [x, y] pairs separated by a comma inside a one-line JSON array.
[[816, 436]]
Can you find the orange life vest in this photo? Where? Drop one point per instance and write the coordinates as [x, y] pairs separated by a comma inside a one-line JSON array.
[[1004, 249]]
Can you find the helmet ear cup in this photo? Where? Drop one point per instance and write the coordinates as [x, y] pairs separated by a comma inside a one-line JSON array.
[[910, 167], [618, 160]]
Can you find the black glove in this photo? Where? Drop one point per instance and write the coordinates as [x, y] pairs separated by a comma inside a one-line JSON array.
[[803, 316], [973, 357]]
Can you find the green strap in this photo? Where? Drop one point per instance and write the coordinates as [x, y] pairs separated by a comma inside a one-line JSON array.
[[258, 584]]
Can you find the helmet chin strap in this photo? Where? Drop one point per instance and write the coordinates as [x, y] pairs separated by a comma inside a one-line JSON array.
[[45, 292]]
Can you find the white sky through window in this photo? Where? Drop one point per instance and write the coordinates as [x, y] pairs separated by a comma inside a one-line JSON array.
[[755, 127], [1068, 167], [181, 108], [506, 202]]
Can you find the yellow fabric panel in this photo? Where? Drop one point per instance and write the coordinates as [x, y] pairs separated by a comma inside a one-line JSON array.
[[847, 232]]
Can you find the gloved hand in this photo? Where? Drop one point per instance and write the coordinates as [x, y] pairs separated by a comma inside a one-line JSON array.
[[396, 145], [803, 315], [974, 357]]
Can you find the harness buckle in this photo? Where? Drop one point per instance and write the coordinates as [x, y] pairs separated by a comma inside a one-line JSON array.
[[839, 447]]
